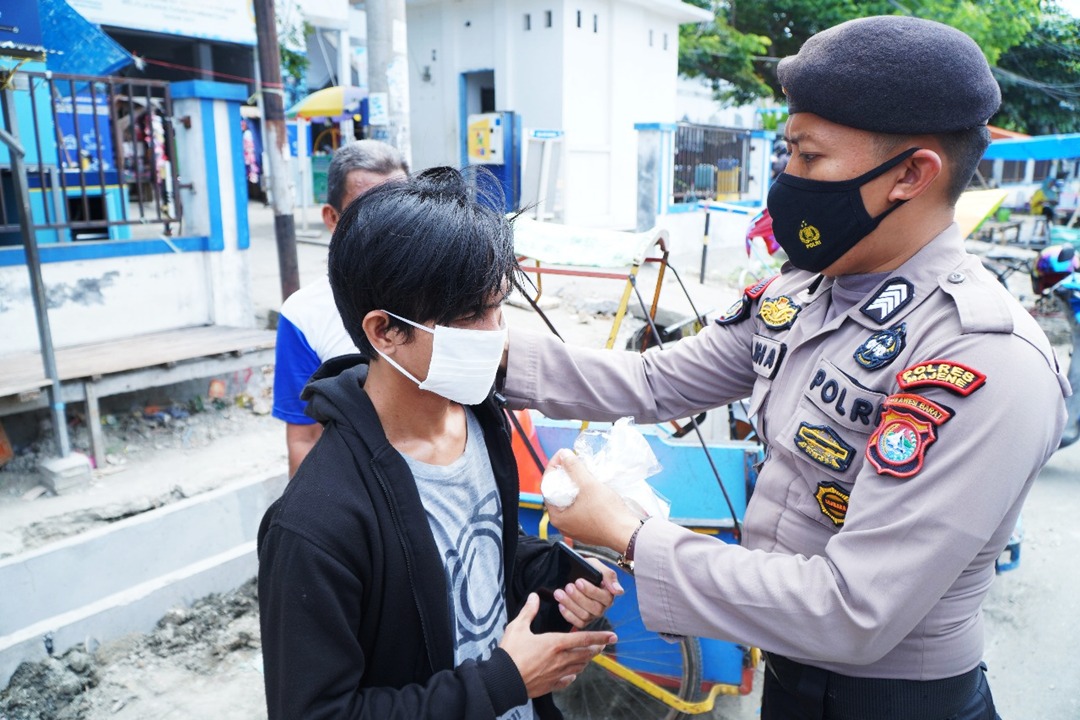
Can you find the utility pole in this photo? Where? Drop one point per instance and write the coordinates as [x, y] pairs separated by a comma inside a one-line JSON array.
[[273, 96], [388, 100]]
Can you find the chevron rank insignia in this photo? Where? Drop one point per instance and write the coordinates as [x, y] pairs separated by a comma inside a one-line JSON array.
[[779, 313], [833, 502], [822, 445], [882, 347], [899, 443], [952, 376], [738, 312], [755, 291], [889, 300]]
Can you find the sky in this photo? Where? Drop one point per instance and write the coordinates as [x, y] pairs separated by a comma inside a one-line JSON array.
[[1071, 6]]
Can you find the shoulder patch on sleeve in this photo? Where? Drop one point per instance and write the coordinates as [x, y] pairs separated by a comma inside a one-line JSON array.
[[899, 443], [953, 376], [742, 308], [982, 307], [739, 311]]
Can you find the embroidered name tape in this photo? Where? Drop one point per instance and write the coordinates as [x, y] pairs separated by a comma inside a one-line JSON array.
[[889, 300], [779, 313], [882, 347], [898, 446], [833, 502], [822, 445], [954, 377], [766, 355]]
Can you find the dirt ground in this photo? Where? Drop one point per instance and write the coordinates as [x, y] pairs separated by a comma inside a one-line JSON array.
[[204, 660]]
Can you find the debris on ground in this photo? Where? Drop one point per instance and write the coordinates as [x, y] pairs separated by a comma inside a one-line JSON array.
[[189, 644]]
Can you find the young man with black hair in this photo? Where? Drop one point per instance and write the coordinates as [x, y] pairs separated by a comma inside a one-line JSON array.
[[906, 401], [391, 564]]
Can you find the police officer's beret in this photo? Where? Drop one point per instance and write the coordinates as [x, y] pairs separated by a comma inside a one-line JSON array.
[[892, 74]]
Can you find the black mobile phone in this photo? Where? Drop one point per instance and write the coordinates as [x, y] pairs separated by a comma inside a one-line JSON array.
[[565, 567], [572, 566]]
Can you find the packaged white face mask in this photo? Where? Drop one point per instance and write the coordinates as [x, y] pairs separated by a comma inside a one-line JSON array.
[[464, 361], [622, 459]]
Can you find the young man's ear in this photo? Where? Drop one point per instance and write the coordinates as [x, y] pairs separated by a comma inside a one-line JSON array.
[[376, 326], [920, 171]]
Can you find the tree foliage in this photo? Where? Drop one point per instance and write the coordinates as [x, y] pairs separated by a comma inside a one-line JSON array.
[[731, 48], [1040, 78], [292, 30]]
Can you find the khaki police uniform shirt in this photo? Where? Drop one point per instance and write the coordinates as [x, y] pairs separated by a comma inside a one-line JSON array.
[[902, 436]]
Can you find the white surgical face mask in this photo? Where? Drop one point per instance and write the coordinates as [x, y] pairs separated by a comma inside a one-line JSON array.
[[463, 362]]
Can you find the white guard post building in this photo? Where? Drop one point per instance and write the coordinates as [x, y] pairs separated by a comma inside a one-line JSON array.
[[590, 69]]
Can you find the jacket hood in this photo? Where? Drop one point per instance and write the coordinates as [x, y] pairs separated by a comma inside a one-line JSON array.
[[331, 393]]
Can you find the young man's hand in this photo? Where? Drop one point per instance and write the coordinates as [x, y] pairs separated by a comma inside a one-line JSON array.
[[550, 661], [581, 602]]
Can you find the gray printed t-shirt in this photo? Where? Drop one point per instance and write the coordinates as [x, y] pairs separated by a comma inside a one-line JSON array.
[[462, 505]]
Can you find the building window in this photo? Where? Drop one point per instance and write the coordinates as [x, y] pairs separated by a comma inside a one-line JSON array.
[[596, 23], [650, 38], [547, 18], [665, 41], [528, 22], [579, 18]]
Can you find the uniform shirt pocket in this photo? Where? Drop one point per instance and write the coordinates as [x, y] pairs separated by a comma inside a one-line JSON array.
[[827, 436]]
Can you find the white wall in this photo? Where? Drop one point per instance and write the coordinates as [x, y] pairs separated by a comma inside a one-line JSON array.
[[432, 87], [106, 299], [533, 64], [589, 109]]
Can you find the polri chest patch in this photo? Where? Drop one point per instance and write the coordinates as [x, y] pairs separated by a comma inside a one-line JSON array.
[[779, 313], [952, 376], [893, 297], [882, 347], [842, 399], [766, 354], [824, 446], [833, 502]]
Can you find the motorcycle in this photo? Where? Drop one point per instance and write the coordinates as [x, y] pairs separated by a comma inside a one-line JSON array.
[[1055, 279]]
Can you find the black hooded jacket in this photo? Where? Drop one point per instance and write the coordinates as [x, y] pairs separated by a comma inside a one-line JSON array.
[[352, 591]]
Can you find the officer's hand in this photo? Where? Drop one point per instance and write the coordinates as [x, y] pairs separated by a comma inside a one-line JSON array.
[[549, 661], [581, 602], [598, 516]]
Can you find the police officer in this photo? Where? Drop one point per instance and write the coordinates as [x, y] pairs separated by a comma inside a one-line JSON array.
[[906, 400]]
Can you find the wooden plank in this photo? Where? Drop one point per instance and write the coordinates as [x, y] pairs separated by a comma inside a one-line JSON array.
[[73, 391], [23, 372]]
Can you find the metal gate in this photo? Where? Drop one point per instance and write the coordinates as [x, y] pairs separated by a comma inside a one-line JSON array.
[[710, 162], [100, 159]]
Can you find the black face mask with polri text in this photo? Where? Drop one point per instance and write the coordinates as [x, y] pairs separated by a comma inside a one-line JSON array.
[[817, 221]]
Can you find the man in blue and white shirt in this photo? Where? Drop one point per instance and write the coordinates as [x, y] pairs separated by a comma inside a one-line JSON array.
[[309, 328]]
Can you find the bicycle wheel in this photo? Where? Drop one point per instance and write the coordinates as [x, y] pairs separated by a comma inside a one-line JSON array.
[[675, 666]]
